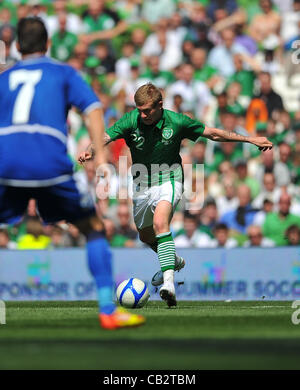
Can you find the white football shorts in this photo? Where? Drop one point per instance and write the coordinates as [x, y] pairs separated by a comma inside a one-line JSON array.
[[146, 200]]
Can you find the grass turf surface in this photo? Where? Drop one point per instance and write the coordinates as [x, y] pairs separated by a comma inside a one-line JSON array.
[[194, 335]]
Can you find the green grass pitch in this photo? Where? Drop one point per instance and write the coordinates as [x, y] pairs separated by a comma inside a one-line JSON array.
[[194, 335]]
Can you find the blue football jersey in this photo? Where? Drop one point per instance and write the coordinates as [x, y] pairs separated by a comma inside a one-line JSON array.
[[35, 96]]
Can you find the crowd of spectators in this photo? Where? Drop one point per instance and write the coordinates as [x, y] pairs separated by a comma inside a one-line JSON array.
[[232, 64]]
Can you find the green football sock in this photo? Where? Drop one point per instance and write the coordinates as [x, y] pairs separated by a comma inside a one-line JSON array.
[[166, 251], [153, 246]]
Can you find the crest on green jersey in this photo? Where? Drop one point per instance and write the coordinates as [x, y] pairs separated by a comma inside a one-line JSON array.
[[167, 133]]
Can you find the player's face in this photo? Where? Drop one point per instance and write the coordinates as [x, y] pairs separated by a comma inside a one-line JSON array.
[[150, 113]]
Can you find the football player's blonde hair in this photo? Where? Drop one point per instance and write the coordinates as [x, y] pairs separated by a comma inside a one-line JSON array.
[[147, 93]]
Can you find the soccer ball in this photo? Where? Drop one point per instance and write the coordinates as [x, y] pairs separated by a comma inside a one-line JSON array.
[[132, 293]]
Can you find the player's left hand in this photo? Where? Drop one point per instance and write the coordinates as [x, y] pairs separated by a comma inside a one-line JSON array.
[[262, 143], [83, 157]]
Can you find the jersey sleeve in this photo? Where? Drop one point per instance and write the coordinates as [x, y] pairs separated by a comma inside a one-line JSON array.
[[120, 129], [191, 128], [79, 93]]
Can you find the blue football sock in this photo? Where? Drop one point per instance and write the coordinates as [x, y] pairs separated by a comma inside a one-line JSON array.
[[99, 261]]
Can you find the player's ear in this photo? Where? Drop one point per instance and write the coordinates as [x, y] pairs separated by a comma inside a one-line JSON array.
[[48, 45]]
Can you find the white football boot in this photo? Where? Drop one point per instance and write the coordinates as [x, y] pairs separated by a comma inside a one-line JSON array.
[[167, 293], [158, 278]]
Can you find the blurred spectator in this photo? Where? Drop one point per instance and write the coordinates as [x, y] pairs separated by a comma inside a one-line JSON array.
[[57, 237], [284, 122], [229, 119], [221, 56], [125, 227], [228, 151], [37, 8], [221, 106], [198, 153], [293, 235], [129, 9], [256, 238], [233, 90], [202, 39], [153, 10], [22, 10], [73, 21], [289, 23], [272, 100], [277, 223], [243, 177], [239, 219], [103, 60], [285, 155], [123, 90], [109, 112], [256, 112], [279, 169], [195, 94], [153, 73], [62, 41], [229, 6], [81, 54], [203, 71], [269, 190], [187, 49], [5, 242], [86, 180], [243, 76], [227, 201], [267, 207], [123, 64], [35, 237], [177, 27], [66, 236], [7, 13], [190, 236], [209, 216], [137, 38], [163, 43], [98, 17], [266, 24], [177, 103], [222, 239], [114, 239], [7, 34], [74, 238]]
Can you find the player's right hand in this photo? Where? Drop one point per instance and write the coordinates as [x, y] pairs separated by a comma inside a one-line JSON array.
[[262, 143], [84, 156]]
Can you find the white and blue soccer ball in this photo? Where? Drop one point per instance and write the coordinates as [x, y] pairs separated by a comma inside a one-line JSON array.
[[132, 293]]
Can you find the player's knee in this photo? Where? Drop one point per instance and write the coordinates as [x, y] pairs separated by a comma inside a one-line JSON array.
[[160, 226]]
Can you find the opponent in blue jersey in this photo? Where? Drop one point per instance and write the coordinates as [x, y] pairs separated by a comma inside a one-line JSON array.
[[35, 96]]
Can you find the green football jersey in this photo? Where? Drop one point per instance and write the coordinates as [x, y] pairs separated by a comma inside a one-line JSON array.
[[155, 145]]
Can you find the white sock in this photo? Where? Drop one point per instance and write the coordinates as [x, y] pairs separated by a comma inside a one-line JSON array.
[[168, 276]]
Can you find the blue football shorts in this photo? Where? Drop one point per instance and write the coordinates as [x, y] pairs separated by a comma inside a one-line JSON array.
[[55, 203]]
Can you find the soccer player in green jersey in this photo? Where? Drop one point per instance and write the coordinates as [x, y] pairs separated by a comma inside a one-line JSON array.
[[154, 136]]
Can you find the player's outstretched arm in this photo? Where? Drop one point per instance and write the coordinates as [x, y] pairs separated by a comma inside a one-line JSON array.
[[95, 126], [89, 154], [220, 135]]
